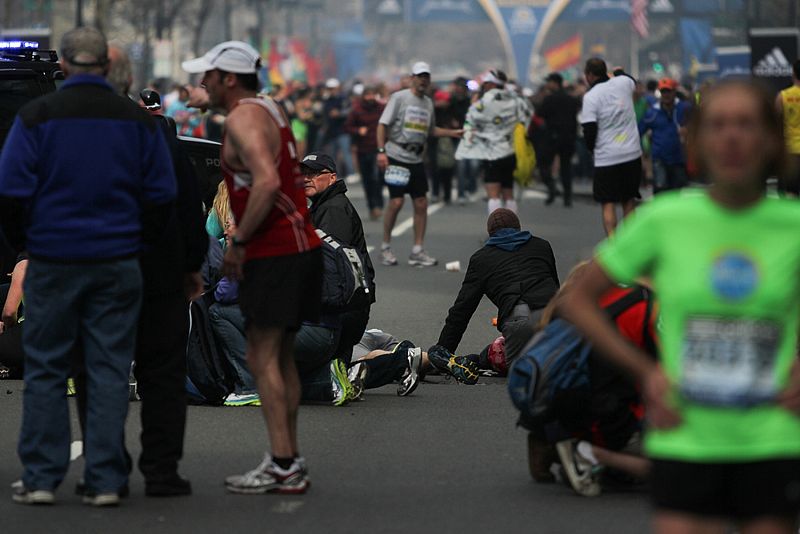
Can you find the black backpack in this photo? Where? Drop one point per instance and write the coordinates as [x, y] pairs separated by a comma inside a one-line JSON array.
[[344, 283], [206, 367]]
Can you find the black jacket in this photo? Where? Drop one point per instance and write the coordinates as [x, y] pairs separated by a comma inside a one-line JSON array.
[[527, 275], [560, 113], [333, 213], [181, 243]]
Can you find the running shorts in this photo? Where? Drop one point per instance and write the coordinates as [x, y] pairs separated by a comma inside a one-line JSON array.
[[500, 171], [618, 183], [282, 291], [738, 491], [417, 184]]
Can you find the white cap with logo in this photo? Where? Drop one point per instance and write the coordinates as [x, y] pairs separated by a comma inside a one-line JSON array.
[[420, 67], [231, 56]]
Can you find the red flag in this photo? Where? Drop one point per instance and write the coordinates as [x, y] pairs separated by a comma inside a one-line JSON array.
[[639, 17]]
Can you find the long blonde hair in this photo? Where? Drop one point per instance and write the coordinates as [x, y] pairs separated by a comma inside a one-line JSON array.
[[221, 205]]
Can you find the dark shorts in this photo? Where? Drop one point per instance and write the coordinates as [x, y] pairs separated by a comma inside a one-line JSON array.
[[500, 171], [618, 183], [417, 184], [282, 291], [740, 491]]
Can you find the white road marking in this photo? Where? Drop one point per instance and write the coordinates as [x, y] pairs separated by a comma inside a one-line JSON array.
[[75, 450], [287, 507], [406, 225]]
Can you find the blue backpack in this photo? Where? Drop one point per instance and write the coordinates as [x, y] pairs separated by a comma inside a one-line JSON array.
[[557, 360]]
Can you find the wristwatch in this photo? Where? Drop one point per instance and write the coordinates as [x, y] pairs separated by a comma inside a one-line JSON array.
[[236, 242], [381, 150]]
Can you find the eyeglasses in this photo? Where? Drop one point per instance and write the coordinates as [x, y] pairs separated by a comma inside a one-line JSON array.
[[316, 175]]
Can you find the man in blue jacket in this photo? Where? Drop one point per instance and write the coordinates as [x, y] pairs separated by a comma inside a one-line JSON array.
[[666, 121], [86, 178]]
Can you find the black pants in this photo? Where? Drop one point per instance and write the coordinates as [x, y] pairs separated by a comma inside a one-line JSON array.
[[564, 150], [160, 374], [386, 369], [443, 183], [354, 324], [371, 181]]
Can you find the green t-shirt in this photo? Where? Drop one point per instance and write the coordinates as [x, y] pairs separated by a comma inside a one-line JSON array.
[[728, 284]]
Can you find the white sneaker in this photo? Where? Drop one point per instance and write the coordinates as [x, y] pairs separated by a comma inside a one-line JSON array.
[[357, 374], [388, 257], [22, 495], [102, 499], [411, 380], [580, 471], [421, 259], [249, 399]]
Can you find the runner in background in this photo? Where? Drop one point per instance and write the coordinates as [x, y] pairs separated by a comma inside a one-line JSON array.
[[610, 130], [402, 133]]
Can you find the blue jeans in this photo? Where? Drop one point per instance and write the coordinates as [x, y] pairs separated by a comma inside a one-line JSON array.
[[314, 349], [339, 149], [96, 305], [373, 185], [467, 171], [228, 325], [666, 176]]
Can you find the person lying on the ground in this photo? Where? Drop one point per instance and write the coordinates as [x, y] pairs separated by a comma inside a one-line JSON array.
[[599, 427], [517, 271], [388, 360]]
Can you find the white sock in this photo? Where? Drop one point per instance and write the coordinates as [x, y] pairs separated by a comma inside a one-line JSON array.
[[385, 246], [416, 249], [512, 205], [585, 450], [494, 203]]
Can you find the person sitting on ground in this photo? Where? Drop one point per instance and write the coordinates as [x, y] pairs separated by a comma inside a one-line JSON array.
[[333, 213], [599, 428], [12, 357], [517, 271], [227, 323]]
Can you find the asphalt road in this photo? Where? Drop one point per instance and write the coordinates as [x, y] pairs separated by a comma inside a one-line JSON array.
[[447, 459]]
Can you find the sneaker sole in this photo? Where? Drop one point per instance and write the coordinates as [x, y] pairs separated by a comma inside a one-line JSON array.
[[462, 373], [101, 500], [344, 382], [249, 491], [239, 404], [415, 371], [566, 455], [417, 263], [45, 498]]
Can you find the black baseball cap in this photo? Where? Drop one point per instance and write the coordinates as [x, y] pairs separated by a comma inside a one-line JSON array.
[[318, 162]]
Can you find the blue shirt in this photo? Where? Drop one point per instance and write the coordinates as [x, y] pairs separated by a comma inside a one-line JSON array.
[[666, 141], [87, 163]]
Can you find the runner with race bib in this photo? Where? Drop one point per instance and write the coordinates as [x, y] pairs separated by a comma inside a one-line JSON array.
[[723, 403]]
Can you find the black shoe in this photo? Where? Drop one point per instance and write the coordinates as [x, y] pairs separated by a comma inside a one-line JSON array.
[[173, 486], [80, 489], [567, 202], [461, 368]]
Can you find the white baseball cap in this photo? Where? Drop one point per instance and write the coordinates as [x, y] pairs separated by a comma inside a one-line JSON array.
[[420, 67], [332, 83], [231, 56]]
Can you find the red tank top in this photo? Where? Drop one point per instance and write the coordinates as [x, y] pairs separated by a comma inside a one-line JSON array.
[[287, 229]]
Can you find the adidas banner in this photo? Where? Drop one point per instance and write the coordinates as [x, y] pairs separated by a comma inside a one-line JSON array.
[[773, 51]]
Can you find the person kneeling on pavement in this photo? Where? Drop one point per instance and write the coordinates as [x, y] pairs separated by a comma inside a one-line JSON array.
[[517, 271], [595, 433], [334, 215]]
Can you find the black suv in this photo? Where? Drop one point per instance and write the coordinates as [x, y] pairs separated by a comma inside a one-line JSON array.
[[25, 74]]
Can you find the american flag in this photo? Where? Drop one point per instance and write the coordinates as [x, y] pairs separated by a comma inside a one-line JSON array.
[[639, 17]]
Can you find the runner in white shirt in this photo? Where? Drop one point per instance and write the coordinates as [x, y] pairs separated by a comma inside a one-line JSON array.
[[610, 130]]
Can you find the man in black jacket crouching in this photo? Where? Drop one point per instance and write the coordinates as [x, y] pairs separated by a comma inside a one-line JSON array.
[[517, 271]]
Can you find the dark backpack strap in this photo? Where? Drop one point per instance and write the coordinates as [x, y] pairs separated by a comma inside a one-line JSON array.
[[621, 305], [649, 342]]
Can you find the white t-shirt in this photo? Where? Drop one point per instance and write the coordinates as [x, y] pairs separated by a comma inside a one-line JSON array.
[[610, 105]]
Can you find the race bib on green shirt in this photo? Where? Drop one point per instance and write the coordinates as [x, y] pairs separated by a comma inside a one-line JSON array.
[[730, 362]]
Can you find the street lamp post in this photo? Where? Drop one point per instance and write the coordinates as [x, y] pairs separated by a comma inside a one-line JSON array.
[[79, 13]]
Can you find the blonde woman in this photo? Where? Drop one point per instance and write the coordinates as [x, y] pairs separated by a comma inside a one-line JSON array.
[[220, 212]]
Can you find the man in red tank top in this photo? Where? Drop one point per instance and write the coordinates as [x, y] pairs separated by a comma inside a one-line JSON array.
[[275, 252]]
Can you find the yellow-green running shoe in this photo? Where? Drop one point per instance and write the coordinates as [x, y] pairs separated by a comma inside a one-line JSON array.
[[342, 389]]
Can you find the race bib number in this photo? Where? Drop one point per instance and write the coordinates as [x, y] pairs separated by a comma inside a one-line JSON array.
[[416, 121], [730, 362], [397, 176]]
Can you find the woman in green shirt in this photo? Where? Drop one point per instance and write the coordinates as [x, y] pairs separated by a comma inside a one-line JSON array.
[[723, 403]]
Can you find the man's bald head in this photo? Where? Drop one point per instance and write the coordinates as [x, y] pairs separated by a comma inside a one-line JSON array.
[[120, 74]]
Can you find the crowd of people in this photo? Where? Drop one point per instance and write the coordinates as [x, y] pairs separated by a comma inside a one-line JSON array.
[[685, 341]]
